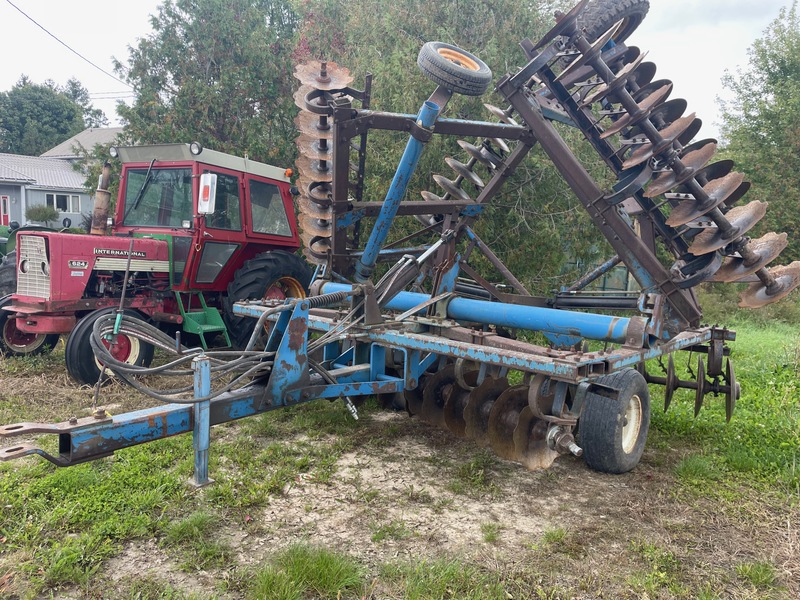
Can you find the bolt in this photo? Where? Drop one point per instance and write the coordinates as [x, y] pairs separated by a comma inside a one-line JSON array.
[[73, 420], [100, 413]]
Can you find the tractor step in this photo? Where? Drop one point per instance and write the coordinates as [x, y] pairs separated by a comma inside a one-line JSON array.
[[202, 322]]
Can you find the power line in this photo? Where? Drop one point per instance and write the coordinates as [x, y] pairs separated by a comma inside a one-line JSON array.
[[75, 52]]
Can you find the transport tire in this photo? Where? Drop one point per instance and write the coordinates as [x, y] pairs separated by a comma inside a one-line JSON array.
[[14, 342], [599, 15], [454, 68], [613, 431], [82, 364], [268, 276]]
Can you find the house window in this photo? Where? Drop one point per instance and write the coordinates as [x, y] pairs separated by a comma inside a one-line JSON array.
[[65, 202]]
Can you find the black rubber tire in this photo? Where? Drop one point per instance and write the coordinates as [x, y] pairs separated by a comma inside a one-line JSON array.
[[80, 359], [14, 342], [275, 270], [599, 15], [8, 274], [607, 446], [454, 68]]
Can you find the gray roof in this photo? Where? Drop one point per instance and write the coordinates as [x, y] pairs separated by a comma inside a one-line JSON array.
[[37, 172], [86, 139]]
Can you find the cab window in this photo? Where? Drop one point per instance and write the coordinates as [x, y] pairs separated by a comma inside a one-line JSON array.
[[158, 198], [268, 214], [227, 213]]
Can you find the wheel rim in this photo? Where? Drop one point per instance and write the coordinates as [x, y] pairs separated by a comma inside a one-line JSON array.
[[458, 58], [633, 424], [19, 341], [124, 348], [285, 287]]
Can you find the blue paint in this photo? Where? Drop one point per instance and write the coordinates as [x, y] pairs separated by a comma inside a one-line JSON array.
[[563, 322], [201, 439], [408, 164]]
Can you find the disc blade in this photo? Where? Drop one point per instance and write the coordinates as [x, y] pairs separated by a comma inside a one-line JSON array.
[[451, 188], [479, 406], [316, 227], [503, 419], [668, 136], [455, 404], [732, 395], [323, 75], [464, 171], [313, 126], [318, 170], [500, 114], [766, 248], [716, 192], [787, 278], [434, 395], [690, 163], [530, 442], [643, 109], [312, 209], [619, 80], [742, 218], [314, 148], [701, 386]]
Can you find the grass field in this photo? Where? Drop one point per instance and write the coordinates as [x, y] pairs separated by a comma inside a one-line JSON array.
[[308, 503]]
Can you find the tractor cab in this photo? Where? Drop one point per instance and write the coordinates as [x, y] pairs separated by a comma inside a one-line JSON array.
[[214, 210]]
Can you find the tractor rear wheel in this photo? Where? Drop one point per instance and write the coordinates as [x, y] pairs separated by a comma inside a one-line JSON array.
[[14, 342], [613, 431], [83, 365], [272, 275], [8, 274]]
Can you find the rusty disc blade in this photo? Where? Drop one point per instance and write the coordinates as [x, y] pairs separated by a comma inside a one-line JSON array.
[[690, 163], [316, 227], [430, 196], [314, 148], [312, 209], [318, 170], [713, 171], [592, 52], [732, 395], [696, 146], [645, 90], [701, 386], [643, 110], [619, 80], [477, 153], [414, 397], [662, 116], [501, 144], [735, 196], [464, 171], [455, 404], [503, 419], [742, 218], [787, 278], [315, 127], [566, 25], [502, 115], [766, 248], [316, 244], [317, 192], [300, 94], [451, 188], [530, 442], [479, 407], [668, 136], [716, 192], [434, 395], [313, 258], [690, 270], [323, 75]]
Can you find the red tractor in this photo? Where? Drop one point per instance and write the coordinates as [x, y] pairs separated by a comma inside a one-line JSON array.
[[194, 231]]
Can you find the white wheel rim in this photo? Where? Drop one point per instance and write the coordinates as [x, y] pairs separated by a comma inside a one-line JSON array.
[[633, 424]]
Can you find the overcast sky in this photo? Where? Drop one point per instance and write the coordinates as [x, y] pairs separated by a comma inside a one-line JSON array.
[[691, 41]]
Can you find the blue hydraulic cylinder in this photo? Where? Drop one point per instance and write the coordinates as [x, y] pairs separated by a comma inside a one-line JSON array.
[[408, 164], [590, 326]]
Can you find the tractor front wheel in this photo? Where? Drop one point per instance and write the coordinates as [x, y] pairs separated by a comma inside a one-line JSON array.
[[82, 364], [14, 342], [268, 276]]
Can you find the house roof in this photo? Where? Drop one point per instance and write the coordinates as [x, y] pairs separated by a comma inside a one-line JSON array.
[[86, 139], [37, 172]]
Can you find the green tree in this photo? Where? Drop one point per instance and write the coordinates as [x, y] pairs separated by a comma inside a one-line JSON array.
[[761, 124], [215, 71], [34, 118], [92, 117]]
